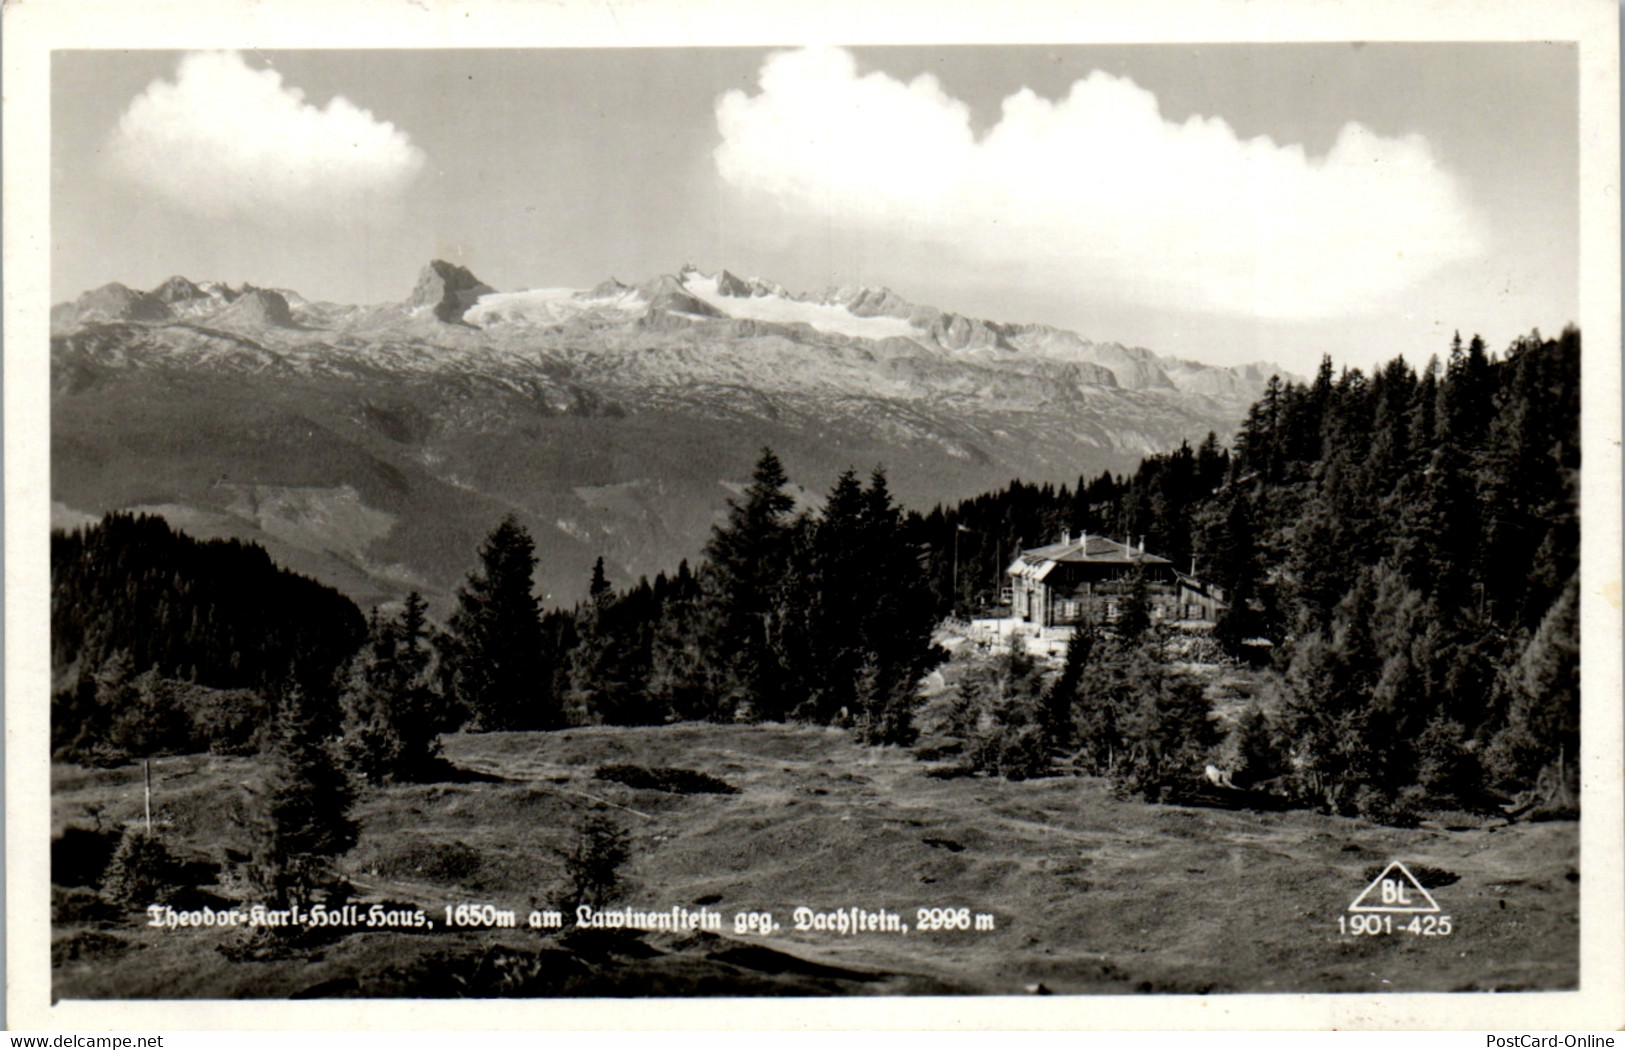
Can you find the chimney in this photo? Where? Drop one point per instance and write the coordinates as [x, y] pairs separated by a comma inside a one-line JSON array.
[[1066, 535], [1142, 543]]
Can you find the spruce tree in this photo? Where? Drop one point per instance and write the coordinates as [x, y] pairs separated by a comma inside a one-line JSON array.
[[895, 617], [610, 664], [1541, 734], [598, 588], [1167, 733], [1235, 571], [298, 812], [1104, 695], [747, 558], [494, 657], [1134, 618], [682, 683], [142, 872], [1061, 698], [834, 594], [393, 715]]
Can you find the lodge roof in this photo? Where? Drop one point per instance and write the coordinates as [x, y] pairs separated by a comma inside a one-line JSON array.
[[1092, 549], [1087, 550]]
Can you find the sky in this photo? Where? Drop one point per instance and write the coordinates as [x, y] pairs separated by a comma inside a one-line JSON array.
[[1225, 203]]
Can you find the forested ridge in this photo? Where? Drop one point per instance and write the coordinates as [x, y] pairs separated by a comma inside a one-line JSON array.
[[1406, 543], [160, 642]]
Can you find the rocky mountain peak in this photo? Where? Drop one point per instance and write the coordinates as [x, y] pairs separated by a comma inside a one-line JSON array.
[[446, 290]]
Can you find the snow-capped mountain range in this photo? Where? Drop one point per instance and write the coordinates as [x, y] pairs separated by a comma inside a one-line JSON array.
[[372, 445]]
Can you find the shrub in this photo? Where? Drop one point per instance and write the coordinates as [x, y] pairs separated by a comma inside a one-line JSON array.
[[1166, 729], [999, 714], [1015, 752], [229, 719], [1403, 810], [143, 871], [598, 849], [1252, 753]]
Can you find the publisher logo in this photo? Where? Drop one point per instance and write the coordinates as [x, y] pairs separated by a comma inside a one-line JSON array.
[[1395, 891]]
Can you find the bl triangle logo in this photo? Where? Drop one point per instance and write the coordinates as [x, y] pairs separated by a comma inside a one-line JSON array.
[[1395, 890]]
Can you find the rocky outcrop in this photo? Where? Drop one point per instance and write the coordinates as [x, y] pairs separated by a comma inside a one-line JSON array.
[[954, 332], [178, 290], [110, 302], [609, 289], [729, 285], [256, 307], [669, 301]]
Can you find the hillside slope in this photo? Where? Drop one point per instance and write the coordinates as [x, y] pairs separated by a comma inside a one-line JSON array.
[[1088, 893]]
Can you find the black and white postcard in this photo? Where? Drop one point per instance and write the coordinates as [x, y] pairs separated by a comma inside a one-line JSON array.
[[551, 513]]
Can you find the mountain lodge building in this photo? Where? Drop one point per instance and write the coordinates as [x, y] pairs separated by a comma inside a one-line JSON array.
[[1088, 580]]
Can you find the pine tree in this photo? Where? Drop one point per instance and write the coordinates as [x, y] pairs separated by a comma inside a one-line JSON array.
[[493, 656]]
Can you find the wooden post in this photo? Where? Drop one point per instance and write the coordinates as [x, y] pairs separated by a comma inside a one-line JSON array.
[[146, 768]]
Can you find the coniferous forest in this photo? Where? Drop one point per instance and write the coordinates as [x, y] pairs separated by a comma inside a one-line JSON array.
[[1398, 551], [1401, 548]]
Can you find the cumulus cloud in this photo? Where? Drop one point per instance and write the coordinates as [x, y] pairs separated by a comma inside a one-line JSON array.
[[1100, 188], [222, 139]]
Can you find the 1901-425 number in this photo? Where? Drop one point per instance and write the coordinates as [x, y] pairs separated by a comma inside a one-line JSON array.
[[1373, 925]]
